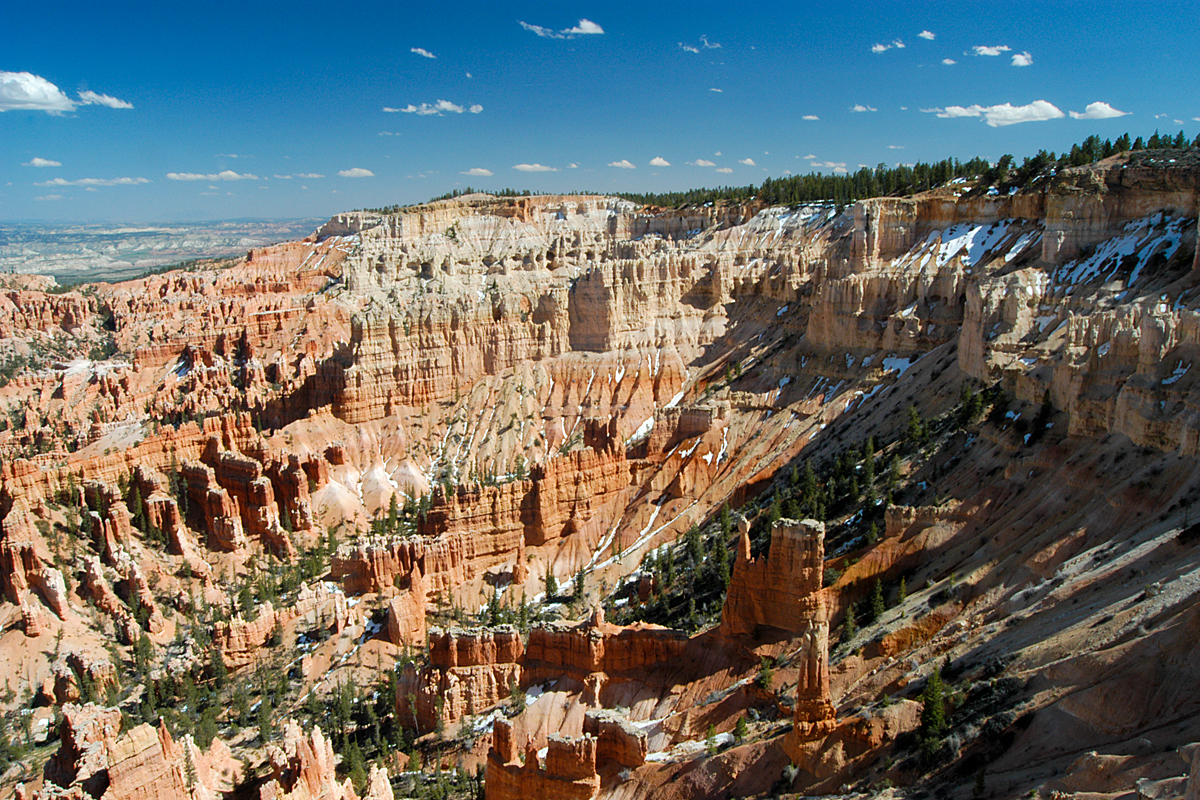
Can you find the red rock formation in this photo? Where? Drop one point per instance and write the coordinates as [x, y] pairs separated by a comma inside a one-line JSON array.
[[468, 672], [97, 760], [776, 591], [474, 530], [253, 495], [569, 773], [406, 613], [581, 492], [222, 518], [782, 591], [102, 594], [290, 479], [303, 767], [62, 686], [597, 648], [162, 511], [141, 596], [112, 524], [240, 640], [617, 742], [22, 570], [33, 619]]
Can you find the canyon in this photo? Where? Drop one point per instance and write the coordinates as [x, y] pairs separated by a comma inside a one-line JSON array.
[[592, 499]]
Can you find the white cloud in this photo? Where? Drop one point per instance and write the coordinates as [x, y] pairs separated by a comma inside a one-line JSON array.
[[1022, 59], [356, 172], [833, 165], [949, 61], [437, 109], [93, 99], [478, 172], [585, 27], [724, 169], [749, 162], [930, 35], [985, 50], [717, 154], [880, 48], [700, 162], [224, 175], [94, 182], [572, 165], [49, 197], [41, 162], [421, 51], [858, 108], [24, 91], [298, 175], [810, 155], [390, 133], [895, 147], [622, 164], [1001, 115], [1098, 111], [283, 177], [810, 117], [718, 91], [659, 161], [704, 42], [534, 168]]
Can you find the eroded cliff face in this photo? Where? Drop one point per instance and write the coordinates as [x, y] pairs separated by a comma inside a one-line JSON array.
[[338, 440]]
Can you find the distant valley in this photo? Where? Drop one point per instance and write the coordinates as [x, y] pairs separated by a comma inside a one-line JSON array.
[[113, 251]]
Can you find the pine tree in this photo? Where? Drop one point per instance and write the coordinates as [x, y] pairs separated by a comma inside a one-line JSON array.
[[850, 626], [878, 606], [393, 517], [523, 618], [933, 706], [915, 432]]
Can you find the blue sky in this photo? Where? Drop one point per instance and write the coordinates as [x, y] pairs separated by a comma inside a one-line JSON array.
[[216, 110]]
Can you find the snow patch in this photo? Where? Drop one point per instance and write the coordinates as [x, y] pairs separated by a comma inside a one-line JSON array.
[[1181, 369]]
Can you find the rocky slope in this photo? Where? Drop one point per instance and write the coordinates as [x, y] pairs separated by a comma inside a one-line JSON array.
[[306, 472]]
